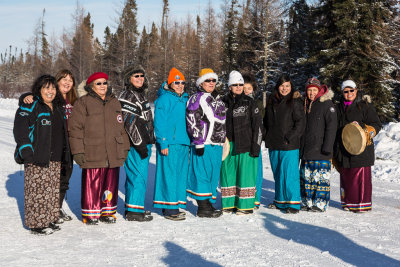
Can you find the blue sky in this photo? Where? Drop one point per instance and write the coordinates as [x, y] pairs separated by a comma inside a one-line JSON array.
[[18, 18]]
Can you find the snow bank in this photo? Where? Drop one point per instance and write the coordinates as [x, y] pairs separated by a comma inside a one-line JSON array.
[[387, 151], [8, 107]]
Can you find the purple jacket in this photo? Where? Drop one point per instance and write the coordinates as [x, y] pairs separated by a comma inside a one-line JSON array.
[[205, 120]]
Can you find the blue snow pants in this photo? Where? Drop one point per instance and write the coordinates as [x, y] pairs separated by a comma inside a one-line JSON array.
[[171, 177], [137, 170], [285, 167], [204, 173]]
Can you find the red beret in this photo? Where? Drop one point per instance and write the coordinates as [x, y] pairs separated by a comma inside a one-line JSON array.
[[95, 76]]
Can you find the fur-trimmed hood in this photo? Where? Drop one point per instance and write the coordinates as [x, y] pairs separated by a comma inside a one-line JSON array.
[[367, 98], [327, 96]]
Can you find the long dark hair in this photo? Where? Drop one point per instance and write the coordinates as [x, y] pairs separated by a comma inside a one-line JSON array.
[[71, 95], [277, 96], [249, 78], [44, 81]]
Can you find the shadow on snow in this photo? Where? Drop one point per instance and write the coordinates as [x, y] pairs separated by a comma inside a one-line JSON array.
[[179, 256], [328, 240], [15, 189]]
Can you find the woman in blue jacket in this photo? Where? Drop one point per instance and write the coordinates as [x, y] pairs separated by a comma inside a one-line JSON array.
[[172, 142]]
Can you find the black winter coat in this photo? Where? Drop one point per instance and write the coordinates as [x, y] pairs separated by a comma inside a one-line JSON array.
[[364, 113], [33, 132], [243, 123], [284, 122], [320, 133], [138, 118]]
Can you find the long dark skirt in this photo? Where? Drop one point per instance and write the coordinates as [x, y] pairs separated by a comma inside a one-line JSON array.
[[356, 188], [41, 194]]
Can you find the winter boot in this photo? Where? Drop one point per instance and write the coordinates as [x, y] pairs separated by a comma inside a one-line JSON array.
[[108, 219], [230, 210], [54, 226], [291, 210], [64, 215], [305, 208], [91, 221], [244, 212], [316, 209], [206, 209], [138, 216], [173, 214], [272, 206], [42, 231]]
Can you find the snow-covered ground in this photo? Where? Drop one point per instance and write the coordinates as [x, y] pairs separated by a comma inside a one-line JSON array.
[[267, 238]]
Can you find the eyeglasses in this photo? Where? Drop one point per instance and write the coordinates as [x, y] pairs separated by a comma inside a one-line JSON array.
[[98, 84], [349, 91], [210, 81], [236, 85], [178, 83], [138, 75]]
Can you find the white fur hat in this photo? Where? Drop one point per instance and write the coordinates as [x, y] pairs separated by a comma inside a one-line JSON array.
[[235, 77], [348, 83], [206, 74]]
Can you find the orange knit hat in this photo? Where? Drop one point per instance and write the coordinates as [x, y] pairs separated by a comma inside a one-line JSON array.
[[175, 75]]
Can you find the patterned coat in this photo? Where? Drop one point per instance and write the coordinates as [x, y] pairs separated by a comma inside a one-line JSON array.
[[138, 118], [205, 119]]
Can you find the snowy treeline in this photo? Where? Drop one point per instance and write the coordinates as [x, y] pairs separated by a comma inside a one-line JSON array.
[[334, 40]]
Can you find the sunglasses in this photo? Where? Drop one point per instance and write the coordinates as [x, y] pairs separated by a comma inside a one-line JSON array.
[[178, 83], [349, 91], [210, 81], [98, 84], [138, 75], [236, 85]]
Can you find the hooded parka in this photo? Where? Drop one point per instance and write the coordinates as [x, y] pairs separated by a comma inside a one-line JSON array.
[[320, 132]]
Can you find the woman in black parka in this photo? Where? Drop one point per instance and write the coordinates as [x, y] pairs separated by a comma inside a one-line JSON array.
[[355, 170], [284, 123], [317, 146], [40, 131]]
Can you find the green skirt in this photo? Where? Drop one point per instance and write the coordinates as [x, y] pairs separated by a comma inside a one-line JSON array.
[[238, 180]]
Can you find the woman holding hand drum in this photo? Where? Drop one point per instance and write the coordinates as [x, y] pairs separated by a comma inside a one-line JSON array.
[[355, 170]]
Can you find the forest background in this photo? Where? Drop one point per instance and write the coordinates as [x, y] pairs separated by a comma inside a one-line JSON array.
[[331, 40]]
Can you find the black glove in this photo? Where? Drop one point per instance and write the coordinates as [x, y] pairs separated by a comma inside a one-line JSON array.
[[200, 151], [142, 150], [254, 154], [79, 159]]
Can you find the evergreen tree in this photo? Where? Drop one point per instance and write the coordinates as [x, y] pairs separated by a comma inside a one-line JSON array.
[[353, 49], [230, 43], [82, 55], [300, 36], [211, 40], [46, 60]]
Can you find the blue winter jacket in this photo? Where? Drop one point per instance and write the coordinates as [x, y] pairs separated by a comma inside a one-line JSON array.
[[169, 118]]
